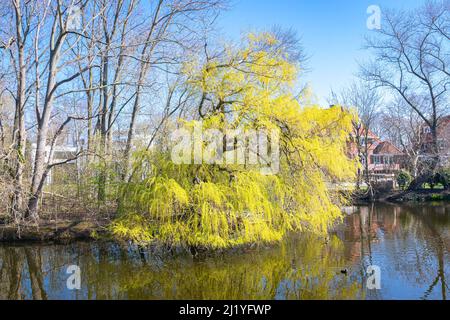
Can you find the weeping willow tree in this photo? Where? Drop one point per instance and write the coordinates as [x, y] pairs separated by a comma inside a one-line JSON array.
[[219, 204]]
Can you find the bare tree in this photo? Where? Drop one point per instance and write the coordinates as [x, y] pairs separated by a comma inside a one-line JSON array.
[[23, 15], [62, 40], [367, 102], [412, 55], [122, 60], [404, 127], [170, 32]]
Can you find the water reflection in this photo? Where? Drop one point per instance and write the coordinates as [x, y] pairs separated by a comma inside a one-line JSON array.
[[409, 243]]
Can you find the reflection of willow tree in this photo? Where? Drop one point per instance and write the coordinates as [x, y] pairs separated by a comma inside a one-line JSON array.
[[298, 269], [302, 267]]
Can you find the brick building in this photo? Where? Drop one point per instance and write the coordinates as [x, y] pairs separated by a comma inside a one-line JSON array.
[[383, 156]]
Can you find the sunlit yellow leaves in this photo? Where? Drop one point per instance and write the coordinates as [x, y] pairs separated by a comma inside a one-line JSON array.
[[216, 206]]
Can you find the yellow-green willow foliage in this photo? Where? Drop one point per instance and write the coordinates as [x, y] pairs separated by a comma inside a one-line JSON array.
[[219, 206]]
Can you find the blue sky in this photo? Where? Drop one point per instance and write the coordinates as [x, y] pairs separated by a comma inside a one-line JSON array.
[[332, 32]]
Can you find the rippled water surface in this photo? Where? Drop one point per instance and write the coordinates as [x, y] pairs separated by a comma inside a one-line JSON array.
[[410, 244]]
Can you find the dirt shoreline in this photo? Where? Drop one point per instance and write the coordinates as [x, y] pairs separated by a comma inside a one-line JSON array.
[[53, 231]]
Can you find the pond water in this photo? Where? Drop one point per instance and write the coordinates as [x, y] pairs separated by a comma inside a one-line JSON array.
[[409, 243]]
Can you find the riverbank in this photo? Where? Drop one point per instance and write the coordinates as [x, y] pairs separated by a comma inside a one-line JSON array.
[[420, 196], [63, 231], [67, 230], [425, 195]]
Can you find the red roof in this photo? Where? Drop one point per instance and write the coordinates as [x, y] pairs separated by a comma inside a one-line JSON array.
[[386, 147]]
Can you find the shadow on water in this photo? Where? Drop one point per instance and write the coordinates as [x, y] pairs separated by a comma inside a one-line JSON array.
[[410, 244]]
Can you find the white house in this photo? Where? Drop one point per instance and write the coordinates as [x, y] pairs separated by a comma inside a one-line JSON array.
[[60, 153]]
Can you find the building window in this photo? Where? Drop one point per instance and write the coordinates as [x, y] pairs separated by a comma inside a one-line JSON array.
[[442, 145], [389, 160], [386, 159], [376, 160]]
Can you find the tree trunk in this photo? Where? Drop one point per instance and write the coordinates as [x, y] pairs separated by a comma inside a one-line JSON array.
[[101, 192], [366, 163], [40, 160], [20, 141], [130, 137], [39, 163], [429, 172], [19, 134]]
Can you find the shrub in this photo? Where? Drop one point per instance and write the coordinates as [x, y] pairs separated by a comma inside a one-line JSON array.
[[444, 177], [404, 178]]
